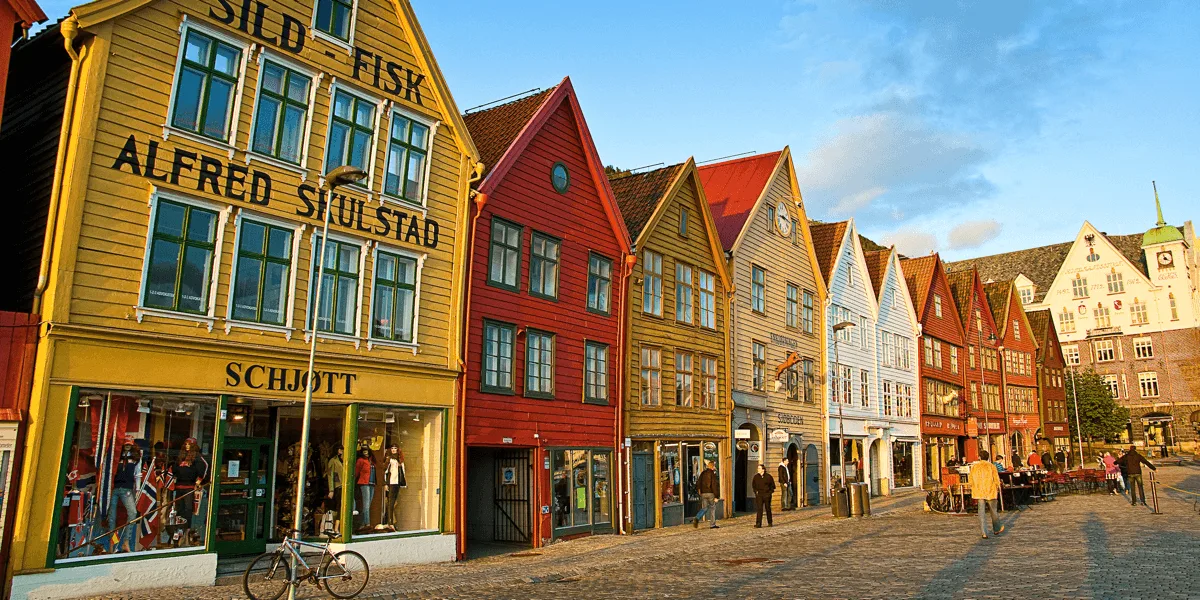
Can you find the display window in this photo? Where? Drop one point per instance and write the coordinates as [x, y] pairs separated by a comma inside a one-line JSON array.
[[397, 470], [670, 476], [580, 484], [902, 463], [138, 473], [853, 449], [324, 470]]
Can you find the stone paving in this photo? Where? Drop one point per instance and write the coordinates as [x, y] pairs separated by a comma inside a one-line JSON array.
[[1080, 546]]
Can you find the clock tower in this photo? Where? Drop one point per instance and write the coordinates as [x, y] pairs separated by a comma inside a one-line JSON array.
[[1168, 255]]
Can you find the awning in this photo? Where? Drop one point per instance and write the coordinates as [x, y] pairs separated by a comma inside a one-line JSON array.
[[1157, 417]]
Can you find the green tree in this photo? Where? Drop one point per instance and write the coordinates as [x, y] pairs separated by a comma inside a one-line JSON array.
[[1100, 416]]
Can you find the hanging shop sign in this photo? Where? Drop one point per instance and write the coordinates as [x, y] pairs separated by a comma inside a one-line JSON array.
[[779, 436], [285, 379]]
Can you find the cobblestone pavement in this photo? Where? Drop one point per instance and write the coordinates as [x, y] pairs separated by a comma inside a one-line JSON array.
[[1082, 546]]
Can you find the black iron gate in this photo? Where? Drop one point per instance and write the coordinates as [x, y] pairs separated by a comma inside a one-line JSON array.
[[511, 499]]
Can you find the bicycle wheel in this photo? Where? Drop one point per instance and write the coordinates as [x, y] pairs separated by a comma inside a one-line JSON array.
[[267, 578], [345, 574]]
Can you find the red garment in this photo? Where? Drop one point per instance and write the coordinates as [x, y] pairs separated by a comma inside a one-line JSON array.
[[1034, 460], [362, 471]]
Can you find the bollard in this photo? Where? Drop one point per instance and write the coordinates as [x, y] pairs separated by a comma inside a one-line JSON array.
[[1153, 493]]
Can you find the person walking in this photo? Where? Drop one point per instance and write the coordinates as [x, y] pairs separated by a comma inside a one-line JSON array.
[[1121, 485], [764, 488], [1047, 461], [1060, 459], [1110, 473], [788, 501], [985, 488], [710, 489], [1133, 470]]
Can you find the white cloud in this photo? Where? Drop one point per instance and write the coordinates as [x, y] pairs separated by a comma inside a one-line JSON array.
[[848, 204], [912, 242], [973, 234]]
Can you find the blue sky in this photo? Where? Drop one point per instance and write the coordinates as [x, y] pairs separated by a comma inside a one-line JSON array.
[[966, 127]]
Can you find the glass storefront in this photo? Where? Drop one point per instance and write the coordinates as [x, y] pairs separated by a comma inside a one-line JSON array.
[[939, 451], [902, 463], [324, 470], [854, 461], [138, 469], [397, 470], [580, 486]]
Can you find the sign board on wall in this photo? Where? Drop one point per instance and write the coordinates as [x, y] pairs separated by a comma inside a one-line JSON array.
[[741, 434], [508, 476], [755, 452], [779, 436]]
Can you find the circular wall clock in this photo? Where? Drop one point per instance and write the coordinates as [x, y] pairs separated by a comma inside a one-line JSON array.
[[782, 221]]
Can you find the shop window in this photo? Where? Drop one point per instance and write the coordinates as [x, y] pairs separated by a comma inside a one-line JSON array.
[[651, 379], [539, 364], [599, 283], [793, 305], [652, 291], [138, 474], [758, 290], [580, 483], [393, 316], [708, 383], [281, 117], [684, 379], [504, 268], [670, 479], [182, 247], [853, 450], [498, 356], [262, 279], [351, 131], [685, 309], [543, 266], [708, 299], [334, 17], [325, 468], [207, 82], [408, 148], [595, 373], [397, 470], [339, 287], [902, 464]]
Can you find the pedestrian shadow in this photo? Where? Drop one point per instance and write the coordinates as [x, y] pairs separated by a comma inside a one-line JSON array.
[[1117, 576], [950, 580]]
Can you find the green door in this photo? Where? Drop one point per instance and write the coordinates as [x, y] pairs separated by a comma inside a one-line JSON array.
[[243, 497]]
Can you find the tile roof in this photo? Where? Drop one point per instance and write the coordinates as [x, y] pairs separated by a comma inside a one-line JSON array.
[[639, 194], [918, 274], [877, 263], [1039, 322], [827, 242], [495, 129], [732, 187], [997, 293], [961, 284]]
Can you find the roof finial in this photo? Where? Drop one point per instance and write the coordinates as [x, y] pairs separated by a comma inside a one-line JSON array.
[[1158, 204]]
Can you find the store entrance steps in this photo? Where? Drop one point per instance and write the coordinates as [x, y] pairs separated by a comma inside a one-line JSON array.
[[231, 568]]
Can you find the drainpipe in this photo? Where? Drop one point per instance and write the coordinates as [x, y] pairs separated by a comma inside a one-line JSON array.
[[621, 453], [69, 29], [461, 460], [729, 296]]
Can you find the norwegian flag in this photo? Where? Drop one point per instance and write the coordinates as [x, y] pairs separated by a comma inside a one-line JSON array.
[[155, 482]]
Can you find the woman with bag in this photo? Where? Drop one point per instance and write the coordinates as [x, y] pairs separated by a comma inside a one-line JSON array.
[[1111, 472]]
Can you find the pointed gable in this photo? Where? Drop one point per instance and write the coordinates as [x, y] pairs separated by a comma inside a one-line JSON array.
[[962, 287], [1042, 325], [877, 264], [494, 130], [638, 195], [733, 189], [827, 242], [918, 274], [998, 300]]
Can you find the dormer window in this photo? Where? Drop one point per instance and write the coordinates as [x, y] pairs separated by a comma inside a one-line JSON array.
[[334, 17], [1026, 295]]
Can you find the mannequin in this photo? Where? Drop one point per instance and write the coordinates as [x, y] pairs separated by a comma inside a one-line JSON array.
[[126, 481], [394, 478], [364, 480], [333, 476], [191, 473]]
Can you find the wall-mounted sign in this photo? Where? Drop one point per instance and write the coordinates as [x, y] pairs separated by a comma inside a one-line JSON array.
[[508, 476], [1117, 304], [506, 440], [779, 436], [789, 419], [741, 434], [754, 453], [284, 379], [784, 341]]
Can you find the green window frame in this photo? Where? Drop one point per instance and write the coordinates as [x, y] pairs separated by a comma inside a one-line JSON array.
[[351, 131], [334, 17], [281, 116], [504, 255], [595, 388], [599, 292], [207, 78], [545, 252], [393, 311], [339, 289], [539, 364], [262, 275], [182, 249], [499, 341], [758, 289], [408, 149]]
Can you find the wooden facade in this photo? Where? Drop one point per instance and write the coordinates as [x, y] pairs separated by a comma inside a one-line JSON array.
[[572, 429], [673, 427], [983, 378], [1052, 392], [1018, 357]]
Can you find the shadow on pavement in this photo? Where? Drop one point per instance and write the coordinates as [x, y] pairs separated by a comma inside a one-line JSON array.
[[1116, 576], [949, 582]]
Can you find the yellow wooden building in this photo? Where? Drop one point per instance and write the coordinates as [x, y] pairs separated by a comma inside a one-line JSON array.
[[677, 400], [181, 182]]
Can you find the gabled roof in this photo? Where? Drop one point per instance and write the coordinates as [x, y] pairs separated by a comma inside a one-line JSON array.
[[28, 12], [877, 264], [639, 194], [998, 293], [495, 129], [827, 242], [962, 283], [1039, 322], [734, 188], [918, 274]]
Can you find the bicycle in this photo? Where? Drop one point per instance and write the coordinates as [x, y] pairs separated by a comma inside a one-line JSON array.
[[344, 574]]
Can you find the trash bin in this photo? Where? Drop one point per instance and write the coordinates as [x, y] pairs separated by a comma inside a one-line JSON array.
[[865, 497], [857, 491], [840, 500]]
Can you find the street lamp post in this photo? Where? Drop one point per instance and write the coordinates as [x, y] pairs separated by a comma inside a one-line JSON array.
[[333, 179], [836, 394], [1078, 427]]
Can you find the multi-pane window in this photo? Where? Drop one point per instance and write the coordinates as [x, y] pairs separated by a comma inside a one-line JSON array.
[[339, 288], [599, 283], [887, 398], [282, 113], [504, 260], [793, 306], [991, 397], [838, 316], [651, 380], [760, 366], [683, 221], [182, 245], [652, 283], [978, 320], [905, 400], [684, 376], [1116, 282], [863, 338], [334, 16], [864, 387], [807, 371], [886, 353], [809, 311], [1104, 350], [845, 384], [1174, 308], [1138, 313], [953, 359], [895, 298], [1114, 386], [793, 383], [1066, 321], [262, 276], [395, 297], [937, 305], [928, 351], [1103, 316], [685, 309], [1016, 329], [351, 129], [408, 146], [941, 398], [1143, 347], [971, 357], [974, 395], [595, 374], [543, 266], [208, 76], [1148, 382], [770, 219], [498, 356], [708, 299], [1079, 286], [758, 289], [539, 364], [1071, 355], [1026, 295], [937, 354], [708, 383]]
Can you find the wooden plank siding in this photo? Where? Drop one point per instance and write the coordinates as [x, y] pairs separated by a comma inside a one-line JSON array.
[[1017, 337], [18, 346], [898, 318]]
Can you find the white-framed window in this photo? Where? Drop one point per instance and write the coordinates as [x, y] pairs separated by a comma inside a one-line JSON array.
[[1143, 347], [928, 343], [864, 387], [793, 305], [263, 282], [334, 21], [1066, 321], [207, 90], [651, 376], [849, 275], [406, 172], [937, 353], [1103, 316], [599, 283], [1016, 330], [954, 359], [895, 298], [499, 343], [543, 265], [1148, 382], [887, 398], [183, 246], [652, 283], [685, 307], [1071, 355], [1114, 386], [539, 363], [1116, 282], [758, 289], [283, 111], [350, 139], [341, 286], [885, 346], [864, 340], [1138, 314], [1079, 287], [708, 299], [504, 254], [937, 305], [396, 298], [684, 378], [1105, 351], [1026, 295]]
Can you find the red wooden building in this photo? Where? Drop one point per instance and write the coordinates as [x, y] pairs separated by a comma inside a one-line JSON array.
[[942, 361], [1052, 365], [1018, 355], [986, 420], [542, 397]]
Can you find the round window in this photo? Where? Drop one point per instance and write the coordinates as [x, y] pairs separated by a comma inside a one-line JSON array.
[[560, 178]]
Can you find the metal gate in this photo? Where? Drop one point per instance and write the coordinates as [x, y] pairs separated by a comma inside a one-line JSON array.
[[512, 497], [643, 490]]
